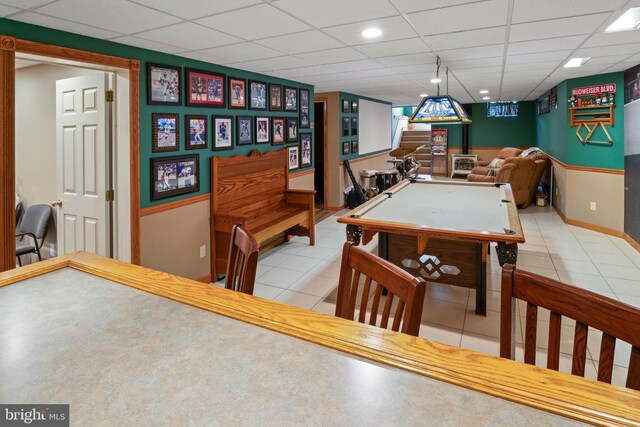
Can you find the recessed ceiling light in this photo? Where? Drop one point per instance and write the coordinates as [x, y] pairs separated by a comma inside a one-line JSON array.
[[630, 20], [486, 98], [576, 62], [436, 80], [371, 33], [424, 95], [483, 91]]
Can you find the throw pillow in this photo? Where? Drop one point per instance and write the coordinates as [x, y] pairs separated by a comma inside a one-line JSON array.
[[496, 163], [530, 152]]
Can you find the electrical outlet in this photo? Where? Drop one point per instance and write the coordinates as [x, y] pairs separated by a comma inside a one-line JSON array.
[[203, 251], [593, 206]]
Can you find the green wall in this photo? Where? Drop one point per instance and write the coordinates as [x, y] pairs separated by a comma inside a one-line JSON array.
[[60, 38], [558, 138], [495, 131], [517, 131], [350, 138], [551, 128]]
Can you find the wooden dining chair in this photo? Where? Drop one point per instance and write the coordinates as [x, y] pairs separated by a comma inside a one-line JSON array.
[[242, 262], [589, 309], [402, 288]]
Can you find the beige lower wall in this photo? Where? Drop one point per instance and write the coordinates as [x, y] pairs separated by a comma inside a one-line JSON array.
[[574, 190], [170, 241], [376, 162], [303, 181]]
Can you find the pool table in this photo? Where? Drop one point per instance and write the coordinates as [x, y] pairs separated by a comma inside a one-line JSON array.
[[441, 230], [126, 345]]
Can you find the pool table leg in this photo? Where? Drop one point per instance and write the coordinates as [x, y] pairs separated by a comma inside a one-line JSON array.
[[481, 281]]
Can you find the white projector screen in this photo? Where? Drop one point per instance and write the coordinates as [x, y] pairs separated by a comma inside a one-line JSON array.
[[374, 126]]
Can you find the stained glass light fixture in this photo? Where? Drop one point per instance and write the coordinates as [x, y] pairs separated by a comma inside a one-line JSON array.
[[439, 108]]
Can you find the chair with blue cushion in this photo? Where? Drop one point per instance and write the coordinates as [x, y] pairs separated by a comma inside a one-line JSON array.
[[34, 224]]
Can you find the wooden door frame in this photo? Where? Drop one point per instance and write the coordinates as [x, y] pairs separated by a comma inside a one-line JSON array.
[[324, 101], [9, 46]]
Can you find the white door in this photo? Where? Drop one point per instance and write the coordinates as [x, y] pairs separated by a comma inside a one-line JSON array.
[[82, 128]]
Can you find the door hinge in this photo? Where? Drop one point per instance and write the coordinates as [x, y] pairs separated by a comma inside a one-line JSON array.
[[108, 96], [110, 195]]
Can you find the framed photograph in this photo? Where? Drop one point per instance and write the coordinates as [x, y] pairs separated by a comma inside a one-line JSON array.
[[292, 129], [244, 130], [275, 97], [165, 128], [345, 105], [206, 89], [354, 106], [294, 157], [354, 125], [345, 126], [222, 133], [305, 150], [304, 109], [163, 84], [237, 93], [262, 130], [196, 132], [346, 147], [278, 131], [354, 147], [258, 95], [171, 176], [290, 99]]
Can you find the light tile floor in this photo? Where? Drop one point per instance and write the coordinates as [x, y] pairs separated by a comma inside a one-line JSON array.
[[307, 276]]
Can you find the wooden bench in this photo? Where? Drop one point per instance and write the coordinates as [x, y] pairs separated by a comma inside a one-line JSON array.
[[254, 191]]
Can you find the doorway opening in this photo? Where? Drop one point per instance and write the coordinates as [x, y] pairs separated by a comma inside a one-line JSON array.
[[56, 160]]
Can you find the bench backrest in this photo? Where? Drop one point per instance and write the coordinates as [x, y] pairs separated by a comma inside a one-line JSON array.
[[252, 183]]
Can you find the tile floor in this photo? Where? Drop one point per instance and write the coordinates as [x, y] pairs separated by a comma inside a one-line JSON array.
[[307, 276]]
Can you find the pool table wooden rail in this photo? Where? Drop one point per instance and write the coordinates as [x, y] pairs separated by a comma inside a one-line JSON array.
[[559, 393], [372, 226]]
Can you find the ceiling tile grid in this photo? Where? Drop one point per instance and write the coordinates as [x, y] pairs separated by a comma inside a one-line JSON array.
[[513, 48]]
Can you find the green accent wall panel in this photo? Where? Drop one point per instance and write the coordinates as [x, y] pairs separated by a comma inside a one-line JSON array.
[[517, 131], [61, 38], [551, 128]]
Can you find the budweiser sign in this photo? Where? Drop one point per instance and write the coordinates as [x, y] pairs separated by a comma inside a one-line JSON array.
[[593, 90]]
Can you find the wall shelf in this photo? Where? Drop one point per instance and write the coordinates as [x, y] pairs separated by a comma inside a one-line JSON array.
[[592, 117]]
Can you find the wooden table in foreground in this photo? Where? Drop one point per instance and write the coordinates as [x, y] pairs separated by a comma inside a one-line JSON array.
[[164, 350], [440, 230]]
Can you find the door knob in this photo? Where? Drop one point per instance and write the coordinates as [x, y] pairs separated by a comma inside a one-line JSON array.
[[56, 203]]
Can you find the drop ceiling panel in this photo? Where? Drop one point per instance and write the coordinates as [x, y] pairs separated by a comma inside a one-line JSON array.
[[464, 39], [394, 28], [393, 48], [281, 63], [247, 51], [59, 24], [536, 46], [470, 16], [472, 53], [629, 49], [542, 65], [335, 12], [113, 15], [255, 22], [402, 60], [332, 55], [408, 6], [200, 56], [189, 36], [559, 55], [6, 10], [423, 69], [538, 10], [306, 41], [609, 39], [479, 71], [196, 8], [25, 4], [474, 63], [312, 71], [608, 60], [365, 64], [556, 28], [148, 44]]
